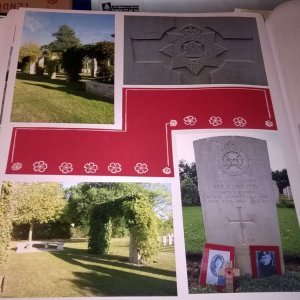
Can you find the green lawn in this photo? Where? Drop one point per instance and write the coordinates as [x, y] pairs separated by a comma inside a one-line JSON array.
[[76, 273], [195, 236], [40, 99]]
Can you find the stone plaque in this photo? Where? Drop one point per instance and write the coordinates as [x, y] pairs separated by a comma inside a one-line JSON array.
[[237, 194], [191, 50]]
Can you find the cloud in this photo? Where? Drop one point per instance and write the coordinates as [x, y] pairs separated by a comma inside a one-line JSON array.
[[32, 24]]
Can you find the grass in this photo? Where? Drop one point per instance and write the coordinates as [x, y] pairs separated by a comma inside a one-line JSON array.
[[76, 273], [44, 100], [195, 236]]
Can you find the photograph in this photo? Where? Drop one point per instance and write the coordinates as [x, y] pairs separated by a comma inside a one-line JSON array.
[[234, 191], [265, 261], [65, 71], [84, 239], [214, 258]]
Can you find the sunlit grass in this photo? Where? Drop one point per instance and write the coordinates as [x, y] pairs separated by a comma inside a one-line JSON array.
[[74, 273], [43, 100]]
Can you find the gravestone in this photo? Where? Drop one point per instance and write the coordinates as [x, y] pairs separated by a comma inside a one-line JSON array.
[[237, 195]]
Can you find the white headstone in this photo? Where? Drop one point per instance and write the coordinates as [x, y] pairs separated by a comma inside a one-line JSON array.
[[164, 240], [237, 195]]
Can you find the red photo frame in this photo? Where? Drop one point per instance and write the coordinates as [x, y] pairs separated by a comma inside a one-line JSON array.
[[214, 258], [265, 261]]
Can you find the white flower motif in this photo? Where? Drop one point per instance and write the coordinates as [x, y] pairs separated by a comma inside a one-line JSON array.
[[141, 168], [190, 120], [90, 167], [269, 123], [66, 167], [173, 123], [114, 167], [40, 166], [16, 166], [167, 170], [239, 122], [215, 121]]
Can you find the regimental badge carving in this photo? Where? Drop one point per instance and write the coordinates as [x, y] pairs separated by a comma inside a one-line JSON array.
[[192, 48], [232, 160]]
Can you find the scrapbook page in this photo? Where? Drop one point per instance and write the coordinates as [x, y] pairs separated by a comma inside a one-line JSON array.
[[142, 156]]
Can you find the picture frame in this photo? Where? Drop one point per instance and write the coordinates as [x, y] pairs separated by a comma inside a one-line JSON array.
[[265, 260], [213, 259]]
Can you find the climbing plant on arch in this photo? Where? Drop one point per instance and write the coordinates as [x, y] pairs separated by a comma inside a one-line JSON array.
[[140, 218]]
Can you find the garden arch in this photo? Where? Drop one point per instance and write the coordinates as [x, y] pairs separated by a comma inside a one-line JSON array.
[[140, 219]]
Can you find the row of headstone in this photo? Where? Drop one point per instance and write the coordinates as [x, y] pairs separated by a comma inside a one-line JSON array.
[[237, 195], [168, 240], [288, 192]]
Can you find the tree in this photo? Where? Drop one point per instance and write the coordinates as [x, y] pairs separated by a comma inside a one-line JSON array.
[[188, 170], [65, 39], [29, 53], [188, 183], [72, 62], [281, 178], [38, 203], [84, 196], [189, 192], [6, 216]]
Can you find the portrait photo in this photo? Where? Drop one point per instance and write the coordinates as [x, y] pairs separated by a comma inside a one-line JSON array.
[[214, 258], [265, 261]]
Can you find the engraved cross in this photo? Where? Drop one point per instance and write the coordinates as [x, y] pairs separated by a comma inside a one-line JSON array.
[[242, 223]]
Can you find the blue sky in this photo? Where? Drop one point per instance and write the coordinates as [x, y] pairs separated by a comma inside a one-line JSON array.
[[89, 28]]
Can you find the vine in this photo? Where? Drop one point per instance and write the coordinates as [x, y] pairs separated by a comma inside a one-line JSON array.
[[6, 215], [139, 217]]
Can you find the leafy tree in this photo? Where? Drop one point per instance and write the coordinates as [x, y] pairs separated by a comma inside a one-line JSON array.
[[82, 197], [38, 203], [188, 183], [72, 62], [6, 216], [189, 192], [188, 170], [65, 39], [281, 178], [104, 51], [29, 53]]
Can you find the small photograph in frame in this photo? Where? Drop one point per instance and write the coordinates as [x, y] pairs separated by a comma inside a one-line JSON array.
[[265, 261], [214, 258]]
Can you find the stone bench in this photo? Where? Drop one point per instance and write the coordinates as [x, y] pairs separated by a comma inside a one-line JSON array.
[[26, 246]]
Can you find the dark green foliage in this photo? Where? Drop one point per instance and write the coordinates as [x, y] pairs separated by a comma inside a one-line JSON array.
[[106, 72], [51, 230], [51, 66], [189, 192], [65, 38], [281, 178], [188, 183], [187, 170], [289, 282], [6, 215], [72, 62], [140, 219]]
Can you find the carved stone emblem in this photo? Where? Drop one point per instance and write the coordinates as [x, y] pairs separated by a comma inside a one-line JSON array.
[[192, 48], [232, 160]]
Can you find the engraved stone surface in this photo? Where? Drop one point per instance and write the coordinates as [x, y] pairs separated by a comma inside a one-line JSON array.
[[181, 50], [237, 194]]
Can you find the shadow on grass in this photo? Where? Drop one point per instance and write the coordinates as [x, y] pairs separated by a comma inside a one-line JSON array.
[[73, 88], [112, 275]]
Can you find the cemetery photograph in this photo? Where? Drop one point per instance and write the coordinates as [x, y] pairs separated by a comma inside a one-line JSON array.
[[86, 239], [65, 69], [235, 194]]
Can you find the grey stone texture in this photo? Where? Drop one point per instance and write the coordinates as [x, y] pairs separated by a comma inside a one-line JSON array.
[[237, 195], [182, 50]]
